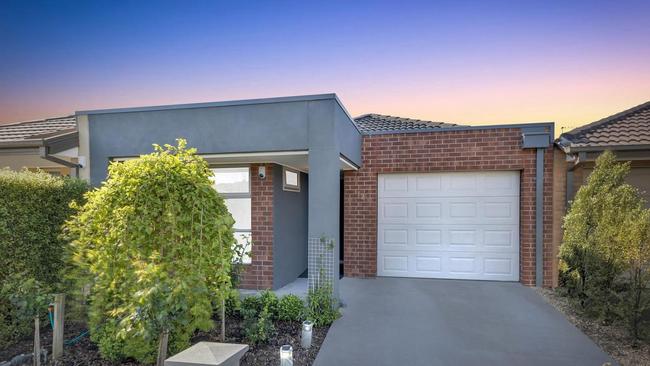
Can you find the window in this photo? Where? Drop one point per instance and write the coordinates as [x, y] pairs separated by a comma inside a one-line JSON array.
[[290, 179], [234, 186]]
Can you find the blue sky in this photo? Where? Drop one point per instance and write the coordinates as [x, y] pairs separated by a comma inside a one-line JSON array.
[[460, 61]]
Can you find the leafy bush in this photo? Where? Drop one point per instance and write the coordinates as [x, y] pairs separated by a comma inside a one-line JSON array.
[[634, 250], [233, 302], [251, 305], [154, 241], [291, 308], [33, 206], [258, 329], [321, 306], [605, 254], [269, 300], [21, 299], [258, 313], [255, 304]]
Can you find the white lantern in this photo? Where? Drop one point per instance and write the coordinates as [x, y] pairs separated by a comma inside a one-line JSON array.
[[286, 355], [305, 340]]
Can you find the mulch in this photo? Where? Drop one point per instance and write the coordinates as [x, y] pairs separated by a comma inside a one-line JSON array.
[[86, 353], [612, 338]]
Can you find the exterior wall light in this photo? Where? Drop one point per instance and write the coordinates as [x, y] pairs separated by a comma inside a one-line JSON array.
[[261, 172], [286, 355], [305, 339]]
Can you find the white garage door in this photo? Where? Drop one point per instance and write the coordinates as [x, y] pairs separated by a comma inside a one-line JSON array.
[[449, 225]]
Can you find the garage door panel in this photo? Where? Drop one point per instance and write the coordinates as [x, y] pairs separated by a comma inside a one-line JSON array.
[[428, 264], [460, 184], [449, 225], [485, 238], [427, 236], [432, 210], [443, 264]]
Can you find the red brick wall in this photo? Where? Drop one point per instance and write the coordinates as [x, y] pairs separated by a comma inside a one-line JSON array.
[[259, 274], [490, 149]]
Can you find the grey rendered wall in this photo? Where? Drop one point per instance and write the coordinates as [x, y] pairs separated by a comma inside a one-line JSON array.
[[324, 180], [242, 128], [347, 136], [289, 230]]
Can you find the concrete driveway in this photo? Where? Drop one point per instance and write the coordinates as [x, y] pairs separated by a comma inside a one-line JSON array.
[[397, 321]]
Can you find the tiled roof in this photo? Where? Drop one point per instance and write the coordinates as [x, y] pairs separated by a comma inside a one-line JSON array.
[[628, 128], [377, 123], [36, 130]]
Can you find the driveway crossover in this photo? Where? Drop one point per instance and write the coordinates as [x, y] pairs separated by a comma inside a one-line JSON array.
[[397, 321]]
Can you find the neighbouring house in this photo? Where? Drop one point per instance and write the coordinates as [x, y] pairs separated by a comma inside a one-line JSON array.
[[49, 145], [395, 196], [626, 134]]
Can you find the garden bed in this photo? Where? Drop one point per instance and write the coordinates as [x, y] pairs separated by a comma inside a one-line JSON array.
[[613, 339], [86, 353]]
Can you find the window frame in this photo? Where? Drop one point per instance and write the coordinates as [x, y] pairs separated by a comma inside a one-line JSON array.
[[239, 195], [290, 187]]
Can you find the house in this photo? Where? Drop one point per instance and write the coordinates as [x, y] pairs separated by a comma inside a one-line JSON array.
[[49, 145], [626, 134], [314, 188]]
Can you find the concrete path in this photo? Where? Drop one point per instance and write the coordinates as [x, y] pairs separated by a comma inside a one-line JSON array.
[[396, 321]]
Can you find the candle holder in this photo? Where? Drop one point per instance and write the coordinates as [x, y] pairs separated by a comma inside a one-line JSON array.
[[286, 355], [305, 339]]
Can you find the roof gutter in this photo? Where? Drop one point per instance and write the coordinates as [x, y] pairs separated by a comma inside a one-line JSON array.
[[570, 149]]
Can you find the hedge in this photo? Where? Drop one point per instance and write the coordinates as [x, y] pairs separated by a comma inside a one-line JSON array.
[[33, 208]]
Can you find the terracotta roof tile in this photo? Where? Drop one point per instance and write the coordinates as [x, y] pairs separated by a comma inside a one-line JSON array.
[[377, 123], [628, 128], [31, 130]]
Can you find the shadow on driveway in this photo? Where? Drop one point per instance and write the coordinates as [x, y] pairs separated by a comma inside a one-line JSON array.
[[399, 321]]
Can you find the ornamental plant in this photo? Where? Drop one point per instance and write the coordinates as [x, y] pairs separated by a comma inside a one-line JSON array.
[[33, 206], [590, 227], [606, 248], [154, 242], [291, 308]]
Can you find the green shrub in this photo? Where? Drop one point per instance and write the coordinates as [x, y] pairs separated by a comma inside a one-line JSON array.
[[258, 313], [291, 308], [33, 207], [155, 243], [634, 293], [605, 254], [258, 329], [233, 302], [21, 299], [269, 300], [251, 305], [589, 230], [321, 306], [254, 304]]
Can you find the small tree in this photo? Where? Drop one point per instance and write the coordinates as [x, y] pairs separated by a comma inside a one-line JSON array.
[[155, 243], [590, 226], [634, 253], [606, 249]]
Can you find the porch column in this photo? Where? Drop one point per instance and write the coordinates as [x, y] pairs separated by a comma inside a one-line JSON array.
[[324, 191]]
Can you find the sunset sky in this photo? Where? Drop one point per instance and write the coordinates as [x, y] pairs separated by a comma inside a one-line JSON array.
[[470, 62]]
